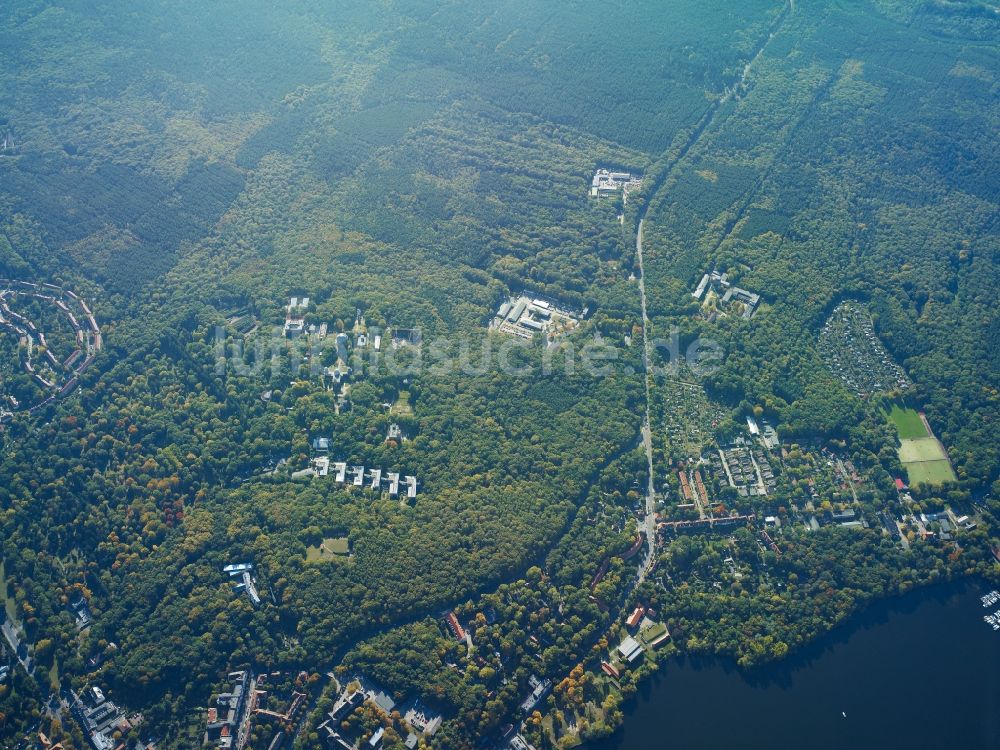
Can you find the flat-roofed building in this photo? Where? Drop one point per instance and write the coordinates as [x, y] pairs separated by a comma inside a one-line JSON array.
[[630, 649], [393, 483]]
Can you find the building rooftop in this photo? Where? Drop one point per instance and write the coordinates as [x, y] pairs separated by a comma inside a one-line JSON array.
[[630, 649], [636, 617]]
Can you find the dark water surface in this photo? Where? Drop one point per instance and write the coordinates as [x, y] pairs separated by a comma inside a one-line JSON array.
[[920, 671]]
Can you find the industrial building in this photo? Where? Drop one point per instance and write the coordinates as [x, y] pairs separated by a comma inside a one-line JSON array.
[[524, 316]]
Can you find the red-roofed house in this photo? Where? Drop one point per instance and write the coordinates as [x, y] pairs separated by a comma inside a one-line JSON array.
[[455, 625], [636, 617]]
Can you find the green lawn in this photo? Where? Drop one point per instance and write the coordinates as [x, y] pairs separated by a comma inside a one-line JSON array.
[[650, 634], [925, 461], [930, 472], [329, 548], [54, 675], [923, 449], [908, 423], [402, 405], [8, 603]]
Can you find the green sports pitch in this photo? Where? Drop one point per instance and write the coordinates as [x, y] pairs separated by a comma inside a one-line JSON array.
[[921, 454], [908, 423], [925, 461], [921, 449], [929, 472]]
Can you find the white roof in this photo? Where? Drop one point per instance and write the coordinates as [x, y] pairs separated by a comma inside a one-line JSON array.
[[629, 648]]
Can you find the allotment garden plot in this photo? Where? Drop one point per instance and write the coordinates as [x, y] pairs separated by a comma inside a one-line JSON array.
[[854, 353]]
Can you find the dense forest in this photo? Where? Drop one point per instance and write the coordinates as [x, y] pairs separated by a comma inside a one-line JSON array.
[[410, 166]]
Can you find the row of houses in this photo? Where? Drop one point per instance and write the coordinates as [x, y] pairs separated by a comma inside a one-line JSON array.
[[295, 326], [88, 342], [455, 626], [226, 716], [716, 523], [374, 479]]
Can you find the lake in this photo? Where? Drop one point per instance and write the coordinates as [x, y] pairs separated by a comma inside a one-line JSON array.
[[919, 671]]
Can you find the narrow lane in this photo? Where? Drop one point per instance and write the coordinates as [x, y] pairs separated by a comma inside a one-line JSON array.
[[649, 522]]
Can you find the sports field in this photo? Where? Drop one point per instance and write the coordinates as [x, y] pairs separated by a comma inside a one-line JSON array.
[[922, 449], [908, 423], [929, 472], [925, 461], [921, 454]]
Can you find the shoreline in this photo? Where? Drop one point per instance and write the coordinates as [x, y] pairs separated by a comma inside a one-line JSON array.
[[781, 674]]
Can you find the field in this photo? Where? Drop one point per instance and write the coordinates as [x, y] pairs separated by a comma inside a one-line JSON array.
[[908, 423], [925, 460], [333, 547], [921, 454], [921, 449], [930, 472], [402, 406]]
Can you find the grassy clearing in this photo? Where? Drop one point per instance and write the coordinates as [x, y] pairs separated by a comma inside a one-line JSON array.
[[908, 423], [54, 675], [8, 602], [328, 549], [402, 406]]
